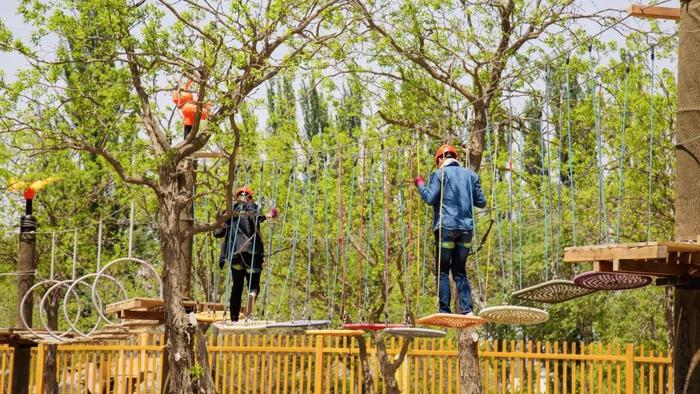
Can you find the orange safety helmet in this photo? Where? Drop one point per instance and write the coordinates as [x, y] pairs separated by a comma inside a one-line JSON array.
[[244, 189], [444, 149], [188, 112]]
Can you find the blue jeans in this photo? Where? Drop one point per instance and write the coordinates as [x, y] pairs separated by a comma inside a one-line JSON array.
[[451, 256]]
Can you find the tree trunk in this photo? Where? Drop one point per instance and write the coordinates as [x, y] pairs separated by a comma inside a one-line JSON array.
[[50, 381], [180, 334], [367, 387], [686, 305], [469, 372], [387, 364], [477, 135], [186, 182]]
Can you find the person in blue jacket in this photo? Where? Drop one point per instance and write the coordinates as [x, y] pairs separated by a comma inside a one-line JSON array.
[[453, 191]]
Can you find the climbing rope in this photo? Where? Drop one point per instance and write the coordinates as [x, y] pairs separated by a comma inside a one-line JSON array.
[[623, 147], [570, 154], [651, 142]]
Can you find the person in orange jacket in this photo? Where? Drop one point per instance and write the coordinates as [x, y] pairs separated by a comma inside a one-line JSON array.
[[185, 101]]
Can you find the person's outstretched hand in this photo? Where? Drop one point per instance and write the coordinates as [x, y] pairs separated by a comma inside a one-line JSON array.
[[419, 181], [272, 214]]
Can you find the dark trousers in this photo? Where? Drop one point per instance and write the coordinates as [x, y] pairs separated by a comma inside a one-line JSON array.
[[451, 256], [243, 270]]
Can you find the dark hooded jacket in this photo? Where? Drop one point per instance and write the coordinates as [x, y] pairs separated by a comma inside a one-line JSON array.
[[241, 233]]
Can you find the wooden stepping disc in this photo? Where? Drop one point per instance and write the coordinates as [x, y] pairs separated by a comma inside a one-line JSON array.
[[213, 316], [611, 280], [552, 291], [451, 320], [371, 326], [243, 325], [414, 332], [336, 333], [513, 314], [300, 324]]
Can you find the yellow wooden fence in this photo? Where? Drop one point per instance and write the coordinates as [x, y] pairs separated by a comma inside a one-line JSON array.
[[316, 364]]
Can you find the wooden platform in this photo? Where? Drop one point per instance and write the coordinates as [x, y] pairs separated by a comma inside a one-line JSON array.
[[646, 258], [152, 308]]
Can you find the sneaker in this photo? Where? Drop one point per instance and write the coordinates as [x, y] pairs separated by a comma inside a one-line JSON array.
[[251, 301]]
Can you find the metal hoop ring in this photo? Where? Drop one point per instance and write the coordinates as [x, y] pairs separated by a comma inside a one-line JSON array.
[[119, 260], [97, 307]]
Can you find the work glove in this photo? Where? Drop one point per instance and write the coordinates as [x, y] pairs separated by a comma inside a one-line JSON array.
[[419, 181], [273, 213]]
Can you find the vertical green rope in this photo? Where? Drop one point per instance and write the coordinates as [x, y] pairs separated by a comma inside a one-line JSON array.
[[570, 157], [494, 170], [545, 199], [312, 208], [651, 144], [622, 152]]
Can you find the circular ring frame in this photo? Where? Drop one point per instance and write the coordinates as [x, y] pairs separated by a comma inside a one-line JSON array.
[[97, 306], [100, 273], [42, 316]]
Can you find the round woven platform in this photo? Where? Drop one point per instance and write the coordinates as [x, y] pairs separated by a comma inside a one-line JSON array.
[[336, 333], [451, 320], [300, 324], [611, 280], [414, 332], [242, 325], [371, 326], [513, 314], [552, 291]]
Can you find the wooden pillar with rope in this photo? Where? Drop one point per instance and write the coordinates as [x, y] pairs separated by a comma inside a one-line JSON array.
[[686, 301]]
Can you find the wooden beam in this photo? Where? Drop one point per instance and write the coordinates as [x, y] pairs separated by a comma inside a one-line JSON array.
[[654, 268], [654, 12], [615, 252], [142, 315]]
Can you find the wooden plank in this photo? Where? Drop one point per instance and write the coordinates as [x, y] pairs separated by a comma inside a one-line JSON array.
[[655, 12], [615, 253], [143, 304], [133, 303], [681, 246], [142, 315]]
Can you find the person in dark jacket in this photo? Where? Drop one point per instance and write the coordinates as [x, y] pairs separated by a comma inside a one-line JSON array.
[[243, 247], [453, 191]]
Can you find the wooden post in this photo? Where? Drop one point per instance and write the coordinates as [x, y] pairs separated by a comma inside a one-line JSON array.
[[318, 365], [39, 373], [629, 369], [26, 265], [686, 301]]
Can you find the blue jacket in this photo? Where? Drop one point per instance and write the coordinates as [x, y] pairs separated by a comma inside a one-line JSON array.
[[462, 189]]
